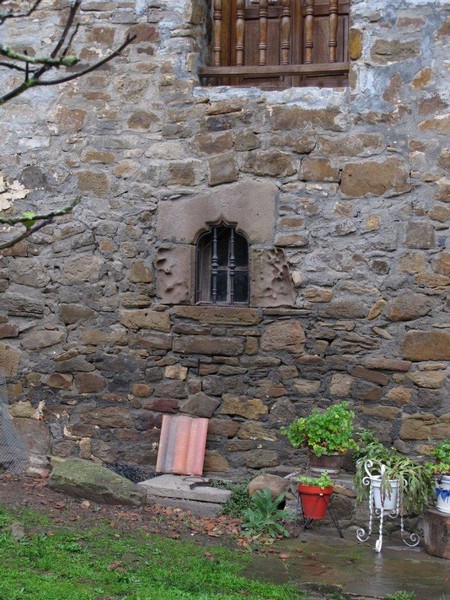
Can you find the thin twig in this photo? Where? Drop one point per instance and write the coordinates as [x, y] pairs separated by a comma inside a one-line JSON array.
[[13, 15]]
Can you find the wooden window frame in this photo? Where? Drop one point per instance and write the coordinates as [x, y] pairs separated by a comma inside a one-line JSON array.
[[293, 55]]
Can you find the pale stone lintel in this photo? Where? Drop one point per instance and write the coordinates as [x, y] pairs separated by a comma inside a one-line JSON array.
[[226, 315]]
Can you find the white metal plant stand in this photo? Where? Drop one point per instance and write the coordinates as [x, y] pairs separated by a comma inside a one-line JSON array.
[[381, 505]]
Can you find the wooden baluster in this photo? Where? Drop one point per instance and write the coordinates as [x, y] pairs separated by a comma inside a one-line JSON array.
[[263, 17], [285, 32], [217, 19], [309, 18], [214, 266], [240, 32], [332, 43]]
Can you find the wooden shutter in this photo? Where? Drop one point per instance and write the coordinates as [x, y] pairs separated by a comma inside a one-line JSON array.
[[277, 44]]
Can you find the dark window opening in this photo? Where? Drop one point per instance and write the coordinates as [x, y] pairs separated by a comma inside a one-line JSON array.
[[222, 274], [277, 44]]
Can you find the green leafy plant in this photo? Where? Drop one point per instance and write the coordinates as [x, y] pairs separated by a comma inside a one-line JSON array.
[[327, 432], [324, 481], [414, 480], [401, 596], [264, 517], [441, 466], [238, 502]]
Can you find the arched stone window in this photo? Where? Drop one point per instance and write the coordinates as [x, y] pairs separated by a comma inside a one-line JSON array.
[[222, 267]]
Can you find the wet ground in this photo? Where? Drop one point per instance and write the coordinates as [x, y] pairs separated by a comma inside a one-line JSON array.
[[356, 568]]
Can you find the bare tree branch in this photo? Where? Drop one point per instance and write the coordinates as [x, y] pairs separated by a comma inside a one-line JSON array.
[[33, 222], [57, 59]]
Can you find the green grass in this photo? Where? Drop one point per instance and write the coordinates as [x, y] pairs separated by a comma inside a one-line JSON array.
[[51, 563]]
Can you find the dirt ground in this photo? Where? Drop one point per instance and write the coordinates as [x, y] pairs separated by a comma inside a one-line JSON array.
[[33, 492]]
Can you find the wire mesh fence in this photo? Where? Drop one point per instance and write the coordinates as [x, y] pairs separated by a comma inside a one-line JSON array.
[[13, 452]]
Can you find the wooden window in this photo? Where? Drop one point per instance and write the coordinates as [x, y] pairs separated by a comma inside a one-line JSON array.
[[222, 273], [277, 44]]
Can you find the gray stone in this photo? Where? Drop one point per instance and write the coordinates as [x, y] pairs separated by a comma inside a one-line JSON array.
[[83, 479], [185, 488], [200, 405]]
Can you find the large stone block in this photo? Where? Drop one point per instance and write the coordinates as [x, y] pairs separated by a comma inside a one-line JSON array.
[[375, 178], [385, 52], [199, 344], [249, 408], [426, 345], [287, 336], [146, 319], [9, 360]]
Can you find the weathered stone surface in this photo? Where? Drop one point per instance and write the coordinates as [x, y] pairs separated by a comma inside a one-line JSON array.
[[249, 408], [369, 375], [105, 418], [60, 381], [254, 431], [72, 313], [42, 339], [400, 394], [420, 234], [304, 387], [223, 427], [223, 169], [84, 268], [375, 178], [436, 531], [36, 437], [172, 264], [146, 319], [270, 162], [277, 485], [93, 181], [140, 272], [271, 283], [424, 379], [386, 52], [9, 360], [340, 385], [408, 307], [200, 405], [199, 344], [386, 413], [27, 271], [8, 330], [215, 462], [259, 459], [285, 335], [89, 382], [376, 309], [315, 294], [425, 426], [351, 309], [387, 364], [226, 315], [290, 118], [83, 479], [426, 345]]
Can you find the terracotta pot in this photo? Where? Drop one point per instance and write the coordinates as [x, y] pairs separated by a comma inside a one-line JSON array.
[[314, 500], [327, 462]]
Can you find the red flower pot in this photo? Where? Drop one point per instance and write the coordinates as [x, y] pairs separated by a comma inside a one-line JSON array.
[[314, 500]]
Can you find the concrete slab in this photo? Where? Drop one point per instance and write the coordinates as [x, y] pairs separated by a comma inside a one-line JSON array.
[[185, 488]]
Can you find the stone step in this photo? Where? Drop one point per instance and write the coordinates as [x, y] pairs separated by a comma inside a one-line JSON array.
[[183, 487]]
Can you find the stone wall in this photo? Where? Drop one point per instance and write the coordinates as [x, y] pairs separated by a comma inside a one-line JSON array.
[[350, 259]]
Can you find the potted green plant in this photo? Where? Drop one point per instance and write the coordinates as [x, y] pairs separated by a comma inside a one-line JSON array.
[[315, 494], [398, 483], [326, 434], [440, 473]]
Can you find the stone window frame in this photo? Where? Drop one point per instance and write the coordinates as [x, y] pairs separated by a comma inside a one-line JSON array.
[[251, 205]]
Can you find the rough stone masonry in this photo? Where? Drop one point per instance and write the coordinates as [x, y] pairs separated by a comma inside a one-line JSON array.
[[344, 197]]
